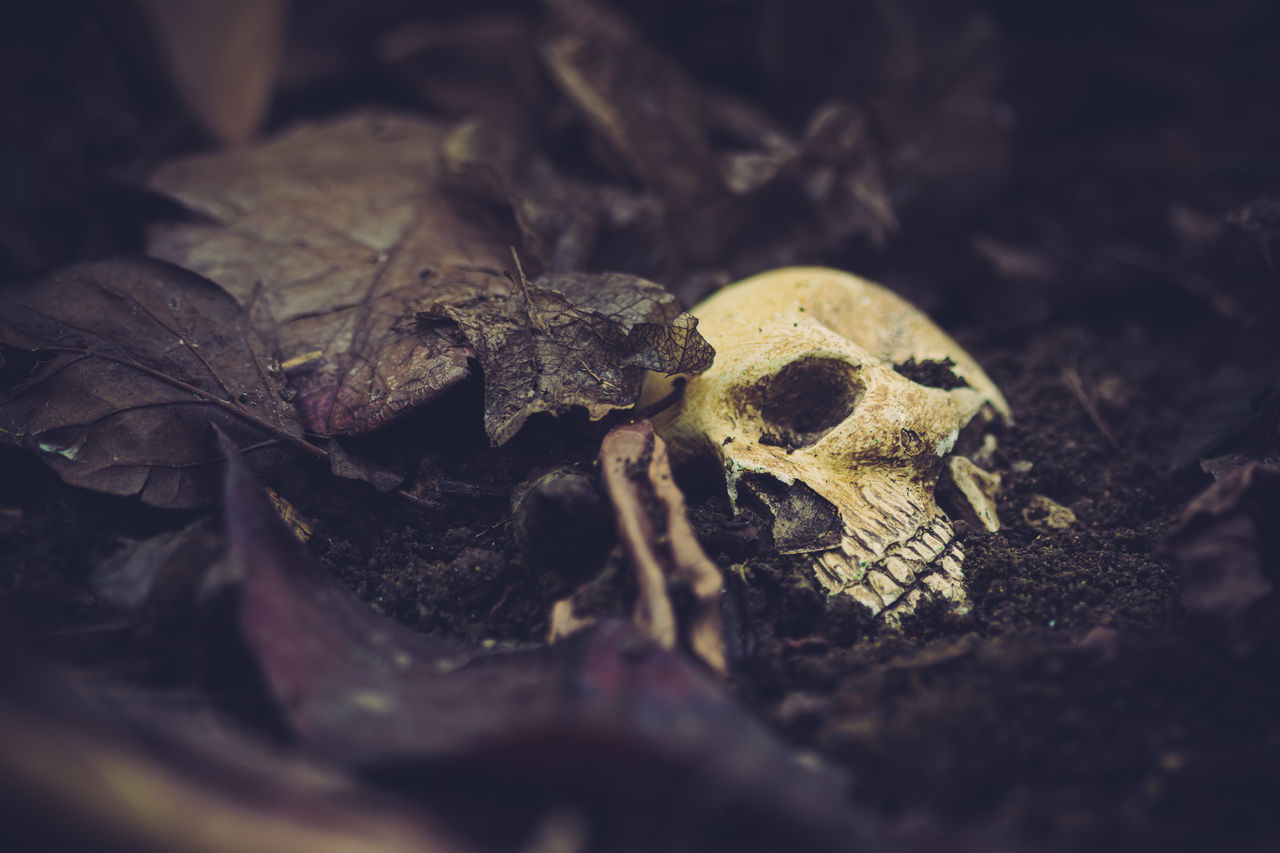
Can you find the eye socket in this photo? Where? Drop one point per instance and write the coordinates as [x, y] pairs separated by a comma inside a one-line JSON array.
[[806, 399]]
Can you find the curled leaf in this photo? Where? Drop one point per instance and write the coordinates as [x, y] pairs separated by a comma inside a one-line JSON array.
[[121, 771], [1227, 548], [113, 371]]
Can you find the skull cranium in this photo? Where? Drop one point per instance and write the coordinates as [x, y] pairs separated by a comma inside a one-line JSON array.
[[806, 405]]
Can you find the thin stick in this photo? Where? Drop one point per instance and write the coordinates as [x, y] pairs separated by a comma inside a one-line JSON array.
[[1071, 378]]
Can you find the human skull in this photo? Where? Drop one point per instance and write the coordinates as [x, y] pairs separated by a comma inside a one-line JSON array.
[[804, 407]]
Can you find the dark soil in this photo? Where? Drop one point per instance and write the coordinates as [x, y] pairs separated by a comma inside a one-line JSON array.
[[1074, 707]]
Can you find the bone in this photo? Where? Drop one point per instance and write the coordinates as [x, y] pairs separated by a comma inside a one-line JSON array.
[[883, 586], [899, 569], [866, 597]]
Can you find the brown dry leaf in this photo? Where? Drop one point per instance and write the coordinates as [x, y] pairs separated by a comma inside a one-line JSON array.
[[477, 65], [325, 234], [112, 372], [223, 56], [574, 340]]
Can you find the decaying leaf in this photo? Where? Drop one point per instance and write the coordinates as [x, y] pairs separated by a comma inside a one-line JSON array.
[[930, 77], [163, 580], [1227, 547], [720, 166], [112, 372], [342, 463], [669, 564], [481, 65], [378, 284], [574, 340], [639, 102], [324, 234]]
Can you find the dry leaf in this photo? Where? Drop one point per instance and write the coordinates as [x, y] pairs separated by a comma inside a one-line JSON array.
[[562, 220], [482, 65], [112, 372], [721, 167], [574, 340], [324, 234]]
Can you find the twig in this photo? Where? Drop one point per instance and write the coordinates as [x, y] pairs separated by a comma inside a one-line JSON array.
[[522, 284], [1071, 378]]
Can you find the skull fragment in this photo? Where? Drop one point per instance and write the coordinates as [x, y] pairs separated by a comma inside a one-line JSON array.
[[811, 405]]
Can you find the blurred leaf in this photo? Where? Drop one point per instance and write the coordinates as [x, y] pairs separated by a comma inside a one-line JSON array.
[[1229, 551], [562, 220], [177, 559], [223, 56], [639, 102], [735, 187], [112, 372], [1223, 412], [482, 65], [1261, 222], [128, 773]]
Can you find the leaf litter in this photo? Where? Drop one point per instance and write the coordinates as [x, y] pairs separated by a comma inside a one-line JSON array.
[[345, 248]]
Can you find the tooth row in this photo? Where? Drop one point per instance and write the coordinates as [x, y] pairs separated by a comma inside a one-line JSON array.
[[929, 541], [883, 586], [931, 561], [866, 597], [835, 571], [900, 570], [903, 606]]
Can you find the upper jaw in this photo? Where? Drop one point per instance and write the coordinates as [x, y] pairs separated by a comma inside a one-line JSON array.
[[891, 579]]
